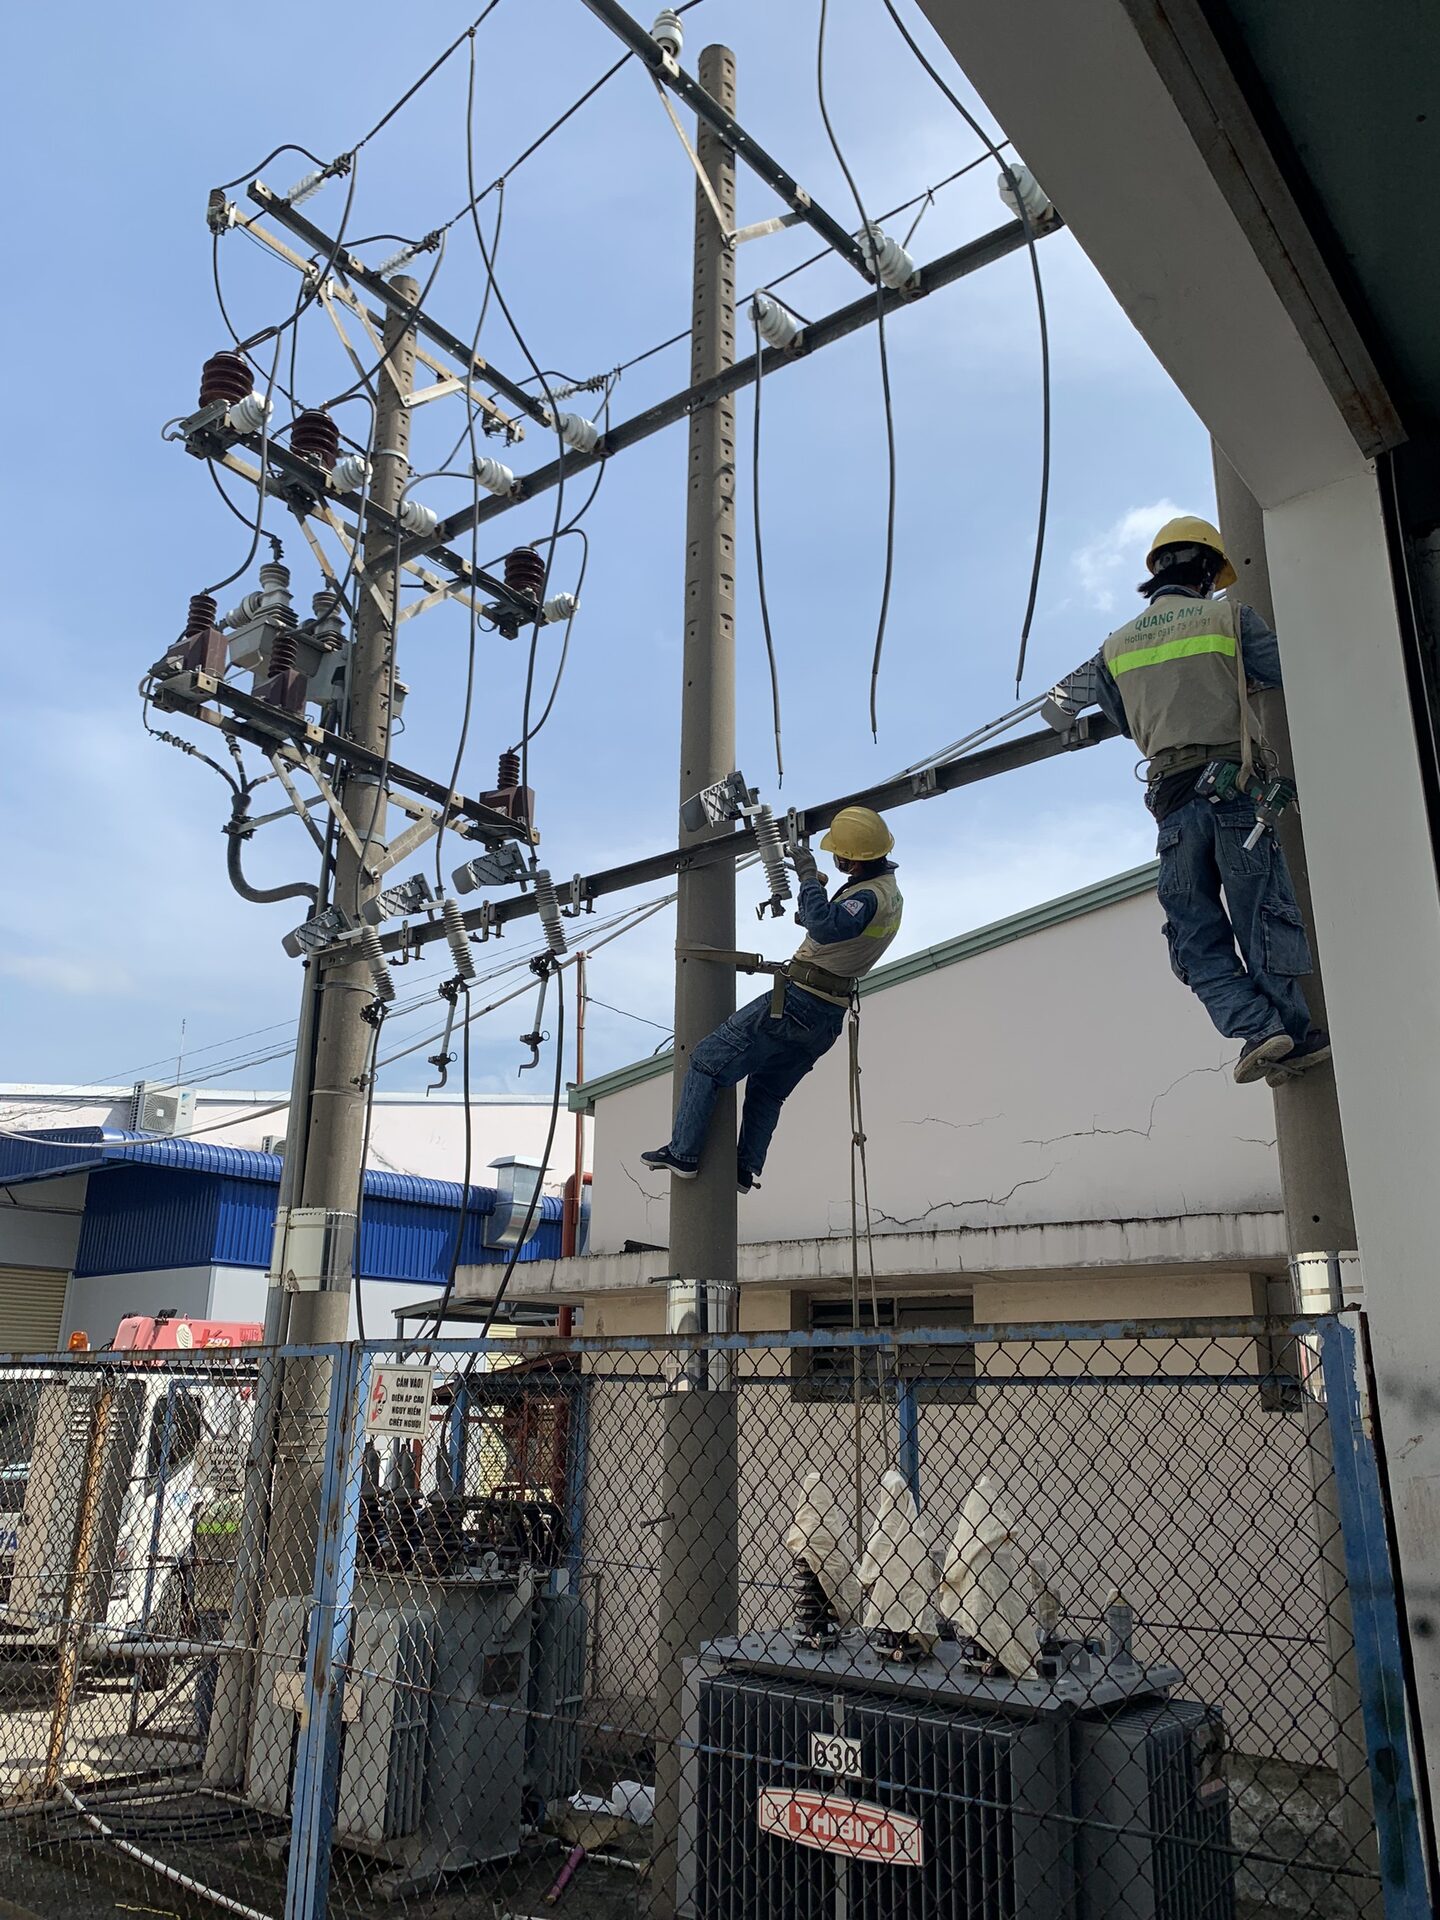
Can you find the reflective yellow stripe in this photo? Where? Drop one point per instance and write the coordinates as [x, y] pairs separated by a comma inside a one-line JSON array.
[[875, 931], [1173, 650]]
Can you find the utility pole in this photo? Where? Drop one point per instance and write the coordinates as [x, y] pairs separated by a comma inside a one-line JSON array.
[[319, 1312], [699, 1558], [1315, 1192]]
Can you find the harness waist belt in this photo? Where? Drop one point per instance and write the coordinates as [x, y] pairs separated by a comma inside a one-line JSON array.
[[836, 987]]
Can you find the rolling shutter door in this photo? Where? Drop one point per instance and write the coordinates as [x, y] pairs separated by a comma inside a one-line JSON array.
[[32, 1305]]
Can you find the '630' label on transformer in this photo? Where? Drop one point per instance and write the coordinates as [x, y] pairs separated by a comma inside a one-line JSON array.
[[832, 1823]]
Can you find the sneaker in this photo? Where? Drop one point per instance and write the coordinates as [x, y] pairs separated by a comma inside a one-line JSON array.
[[1312, 1051], [1258, 1056], [668, 1162], [746, 1181]]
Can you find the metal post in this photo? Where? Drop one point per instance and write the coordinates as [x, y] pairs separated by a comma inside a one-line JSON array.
[[75, 1624], [907, 1447], [316, 1788], [152, 1558], [699, 1562], [1315, 1192], [1376, 1609]]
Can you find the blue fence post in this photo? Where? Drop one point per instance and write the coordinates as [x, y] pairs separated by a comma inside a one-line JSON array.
[[577, 1451], [1374, 1607], [907, 1412], [316, 1789]]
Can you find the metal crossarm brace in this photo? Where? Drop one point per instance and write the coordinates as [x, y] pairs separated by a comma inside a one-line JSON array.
[[990, 247], [304, 478], [708, 109], [1029, 749], [475, 365], [262, 725]]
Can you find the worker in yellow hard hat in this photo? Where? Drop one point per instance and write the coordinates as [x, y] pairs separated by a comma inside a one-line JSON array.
[[1177, 679], [844, 938]]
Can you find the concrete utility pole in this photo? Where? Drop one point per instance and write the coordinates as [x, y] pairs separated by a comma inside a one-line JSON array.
[[319, 1310], [699, 1561], [1315, 1193]]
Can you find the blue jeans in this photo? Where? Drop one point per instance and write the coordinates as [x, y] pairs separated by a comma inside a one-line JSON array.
[[1202, 851], [771, 1056]]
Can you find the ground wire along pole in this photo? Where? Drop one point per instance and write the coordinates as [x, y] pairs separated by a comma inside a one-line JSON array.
[[698, 1553], [320, 1260]]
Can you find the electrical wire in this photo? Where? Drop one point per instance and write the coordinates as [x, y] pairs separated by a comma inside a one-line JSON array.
[[625, 1013], [760, 554], [523, 344], [884, 370], [371, 1075], [462, 1215], [524, 1234], [994, 152], [584, 538], [429, 73]]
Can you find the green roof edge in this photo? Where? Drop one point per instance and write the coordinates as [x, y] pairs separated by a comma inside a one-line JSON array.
[[965, 946]]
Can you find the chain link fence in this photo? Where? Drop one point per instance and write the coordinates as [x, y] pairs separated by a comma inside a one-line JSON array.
[[1040, 1623]]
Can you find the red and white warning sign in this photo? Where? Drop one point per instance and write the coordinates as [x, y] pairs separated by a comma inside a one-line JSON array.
[[832, 1823]]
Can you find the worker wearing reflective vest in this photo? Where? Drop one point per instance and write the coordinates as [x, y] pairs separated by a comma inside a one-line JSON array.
[[772, 1054], [1177, 679]]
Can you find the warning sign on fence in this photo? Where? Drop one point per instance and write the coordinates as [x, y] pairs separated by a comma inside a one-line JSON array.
[[399, 1402]]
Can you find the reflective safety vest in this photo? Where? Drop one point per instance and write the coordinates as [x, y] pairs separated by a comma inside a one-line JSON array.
[[852, 959], [1177, 670]]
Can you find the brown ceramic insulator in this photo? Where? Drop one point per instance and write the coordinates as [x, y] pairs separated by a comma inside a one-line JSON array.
[[509, 774], [227, 377], [284, 652], [202, 614], [525, 572], [316, 437]]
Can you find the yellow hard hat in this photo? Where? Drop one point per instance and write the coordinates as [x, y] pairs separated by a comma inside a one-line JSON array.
[[858, 833], [1190, 531]]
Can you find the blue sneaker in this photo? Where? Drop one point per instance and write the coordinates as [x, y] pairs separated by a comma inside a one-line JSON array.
[[1312, 1051], [667, 1162], [1258, 1056]]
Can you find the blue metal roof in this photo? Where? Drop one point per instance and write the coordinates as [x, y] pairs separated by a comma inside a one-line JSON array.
[[162, 1203]]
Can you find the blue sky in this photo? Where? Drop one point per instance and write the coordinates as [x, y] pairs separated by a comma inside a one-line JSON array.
[[119, 923]]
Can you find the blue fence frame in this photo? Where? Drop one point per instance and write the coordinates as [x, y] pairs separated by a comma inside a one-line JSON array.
[[1360, 1493]]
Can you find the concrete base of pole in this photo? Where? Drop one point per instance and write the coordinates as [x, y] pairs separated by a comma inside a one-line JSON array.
[[699, 1586]]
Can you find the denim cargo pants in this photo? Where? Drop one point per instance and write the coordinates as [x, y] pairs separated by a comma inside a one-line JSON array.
[[1202, 856]]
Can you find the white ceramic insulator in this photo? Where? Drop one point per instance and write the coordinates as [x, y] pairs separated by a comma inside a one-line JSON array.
[[493, 474], [669, 32], [373, 955], [416, 517], [1032, 195], [560, 606], [243, 612], [578, 432], [457, 939], [777, 324], [887, 258], [396, 262], [547, 906], [351, 472], [249, 415], [304, 188], [771, 848]]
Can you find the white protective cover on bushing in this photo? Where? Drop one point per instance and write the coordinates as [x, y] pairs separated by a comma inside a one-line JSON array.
[[988, 1584], [897, 1569], [820, 1537]]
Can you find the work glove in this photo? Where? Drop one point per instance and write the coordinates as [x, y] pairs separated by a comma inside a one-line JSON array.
[[803, 861]]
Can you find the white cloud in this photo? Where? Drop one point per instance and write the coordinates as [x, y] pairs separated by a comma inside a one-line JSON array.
[[79, 978], [1100, 564]]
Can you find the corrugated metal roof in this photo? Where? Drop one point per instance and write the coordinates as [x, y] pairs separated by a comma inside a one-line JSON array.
[[166, 1203], [948, 953]]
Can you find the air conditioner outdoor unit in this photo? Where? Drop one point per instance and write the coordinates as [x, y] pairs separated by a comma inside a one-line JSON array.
[[822, 1782], [157, 1109]]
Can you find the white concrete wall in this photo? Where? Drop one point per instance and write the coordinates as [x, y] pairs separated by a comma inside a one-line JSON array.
[[1065, 1076], [98, 1303], [40, 1225]]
